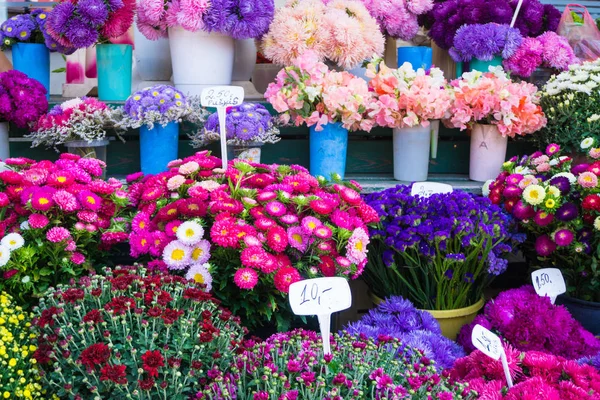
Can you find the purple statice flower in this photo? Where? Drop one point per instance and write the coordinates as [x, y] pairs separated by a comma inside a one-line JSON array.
[[93, 12], [496, 265], [484, 42], [81, 34], [240, 19]]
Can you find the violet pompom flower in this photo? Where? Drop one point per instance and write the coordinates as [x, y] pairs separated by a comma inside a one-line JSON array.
[[484, 42], [240, 19], [93, 12], [22, 99], [398, 18]]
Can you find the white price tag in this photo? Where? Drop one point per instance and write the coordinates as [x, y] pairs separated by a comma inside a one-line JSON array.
[[222, 97], [491, 345], [321, 297], [426, 189], [548, 282]]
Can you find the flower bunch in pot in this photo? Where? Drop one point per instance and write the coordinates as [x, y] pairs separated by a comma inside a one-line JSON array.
[[408, 100], [208, 26], [330, 103], [494, 108], [440, 252], [30, 44], [52, 220], [556, 203], [248, 127], [82, 24]]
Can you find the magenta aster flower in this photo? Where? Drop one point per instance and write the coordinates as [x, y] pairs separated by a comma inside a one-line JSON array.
[[171, 228], [544, 246], [264, 223], [289, 219], [563, 237], [245, 278], [87, 216], [323, 232], [61, 179], [325, 247], [41, 201], [141, 222], [512, 192], [58, 234], [252, 241], [321, 207], [523, 211], [77, 258], [38, 221], [89, 200], [514, 179], [542, 218], [140, 243], [552, 149], [297, 239], [222, 234], [253, 257], [266, 196], [309, 224], [285, 277], [275, 208], [341, 219], [158, 242], [66, 201], [350, 196], [277, 239], [153, 193]]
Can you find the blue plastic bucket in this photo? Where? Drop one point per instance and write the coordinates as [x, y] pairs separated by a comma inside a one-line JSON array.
[[33, 59], [328, 149], [483, 66], [158, 146], [114, 71], [418, 56]]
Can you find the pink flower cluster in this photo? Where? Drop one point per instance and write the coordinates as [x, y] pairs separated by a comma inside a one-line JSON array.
[[61, 114], [548, 50], [309, 93], [341, 31], [398, 18], [492, 98], [536, 375], [406, 98]]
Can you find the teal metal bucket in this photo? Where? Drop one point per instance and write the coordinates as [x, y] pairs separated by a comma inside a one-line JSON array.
[[483, 66], [328, 149], [418, 56], [33, 59], [114, 71]]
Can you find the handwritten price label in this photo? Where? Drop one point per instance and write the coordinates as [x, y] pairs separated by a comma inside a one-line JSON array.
[[426, 189], [548, 282], [490, 345]]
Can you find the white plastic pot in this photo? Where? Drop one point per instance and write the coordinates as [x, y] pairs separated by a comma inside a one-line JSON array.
[[4, 144], [411, 153], [152, 58], [488, 152], [244, 60]]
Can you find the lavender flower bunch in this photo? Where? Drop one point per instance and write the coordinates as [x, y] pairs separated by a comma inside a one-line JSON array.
[[248, 122], [159, 104], [484, 42], [439, 252], [417, 329], [29, 28]]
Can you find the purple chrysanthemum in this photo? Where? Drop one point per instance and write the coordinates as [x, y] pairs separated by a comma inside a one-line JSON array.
[[80, 34], [240, 19], [59, 18], [93, 12], [562, 183], [567, 212], [485, 41]]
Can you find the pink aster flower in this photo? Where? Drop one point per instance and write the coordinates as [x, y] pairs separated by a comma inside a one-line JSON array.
[[350, 196], [275, 208], [77, 258], [141, 222], [270, 265], [264, 223], [58, 234], [153, 193], [322, 207], [87, 216], [341, 219], [175, 182], [552, 149], [266, 196], [528, 180], [61, 179], [323, 232], [284, 277], [514, 179], [289, 219], [41, 200], [92, 166], [71, 246], [140, 243], [325, 247], [544, 246], [89, 200], [198, 192], [245, 278], [223, 232], [91, 228], [38, 221], [253, 257], [79, 226], [343, 262], [158, 242], [595, 153], [171, 228], [252, 241], [134, 177], [309, 224], [277, 239], [543, 167], [101, 187], [297, 239], [36, 176], [587, 180], [542, 218], [189, 167], [563, 237]]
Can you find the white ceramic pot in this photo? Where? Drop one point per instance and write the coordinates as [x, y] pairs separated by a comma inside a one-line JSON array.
[[244, 60], [488, 152], [200, 59], [152, 58], [411, 153], [4, 144]]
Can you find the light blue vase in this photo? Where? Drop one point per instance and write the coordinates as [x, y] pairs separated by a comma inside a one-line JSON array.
[[113, 63], [328, 149], [418, 56], [158, 146], [33, 59], [483, 66]]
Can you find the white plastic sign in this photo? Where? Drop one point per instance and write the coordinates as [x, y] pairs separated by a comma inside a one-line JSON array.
[[426, 189], [491, 345], [548, 282], [222, 97], [321, 297]]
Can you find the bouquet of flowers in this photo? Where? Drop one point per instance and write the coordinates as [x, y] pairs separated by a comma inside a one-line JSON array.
[[399, 319], [492, 98], [270, 226], [341, 31], [398, 18], [246, 123], [20, 378], [357, 368], [558, 205], [485, 41], [440, 252], [29, 28], [536, 375], [132, 334], [159, 104], [571, 101], [52, 216], [309, 93], [549, 50], [79, 24], [22, 99], [404, 97], [77, 119], [531, 322], [240, 19], [448, 16]]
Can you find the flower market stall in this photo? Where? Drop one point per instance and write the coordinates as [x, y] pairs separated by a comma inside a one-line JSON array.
[[362, 228]]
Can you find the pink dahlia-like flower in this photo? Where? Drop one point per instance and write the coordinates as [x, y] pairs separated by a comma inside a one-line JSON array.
[[58, 234], [77, 258], [191, 166], [289, 219], [270, 265], [71, 246], [89, 200], [92, 166], [41, 200], [350, 196], [587, 180], [343, 262], [285, 277], [153, 193], [321, 207], [277, 239], [275, 208], [266, 196], [297, 239], [87, 216], [264, 223], [253, 257], [35, 176], [198, 192], [341, 219], [175, 182], [38, 221], [252, 241], [245, 278], [223, 233]]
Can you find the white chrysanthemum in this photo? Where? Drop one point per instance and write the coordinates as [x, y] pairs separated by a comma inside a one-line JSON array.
[[568, 175], [534, 194], [199, 273], [522, 170], [597, 223], [177, 255], [12, 241], [190, 232], [587, 143], [554, 191], [4, 255], [485, 190]]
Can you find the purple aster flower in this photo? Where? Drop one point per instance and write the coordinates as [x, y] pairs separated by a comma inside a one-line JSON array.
[[567, 212], [80, 34], [563, 237], [544, 246], [115, 4], [240, 19], [246, 130], [562, 183], [59, 17], [484, 42], [93, 12], [579, 168], [468, 277]]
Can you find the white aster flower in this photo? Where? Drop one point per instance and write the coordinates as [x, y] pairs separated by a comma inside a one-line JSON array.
[[12, 241], [485, 190], [190, 233], [199, 273], [4, 255], [587, 143]]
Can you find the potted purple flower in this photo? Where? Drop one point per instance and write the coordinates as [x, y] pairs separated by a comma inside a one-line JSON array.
[[26, 36], [248, 126]]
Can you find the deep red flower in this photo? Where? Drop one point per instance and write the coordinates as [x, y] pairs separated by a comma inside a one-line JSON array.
[[46, 317], [96, 354], [146, 384], [155, 312], [120, 305], [122, 282], [42, 353], [10, 273], [170, 316], [96, 292], [163, 298], [152, 361], [114, 373], [591, 202], [72, 295], [196, 294], [327, 266], [93, 316]]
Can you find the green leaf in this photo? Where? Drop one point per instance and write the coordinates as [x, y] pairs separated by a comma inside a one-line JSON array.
[[45, 271], [59, 70]]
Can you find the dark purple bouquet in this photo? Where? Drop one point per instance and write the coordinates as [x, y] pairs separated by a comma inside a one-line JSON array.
[[22, 99], [248, 122], [29, 28], [398, 318], [484, 42], [440, 252], [530, 322], [447, 16]]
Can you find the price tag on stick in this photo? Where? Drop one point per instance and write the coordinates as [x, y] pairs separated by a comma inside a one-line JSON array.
[[426, 189], [321, 297], [548, 282], [222, 97], [491, 345]]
